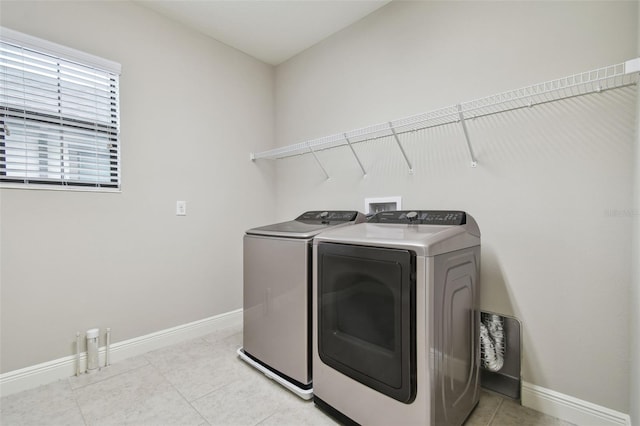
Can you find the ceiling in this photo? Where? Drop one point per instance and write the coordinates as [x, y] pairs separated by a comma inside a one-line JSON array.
[[269, 30]]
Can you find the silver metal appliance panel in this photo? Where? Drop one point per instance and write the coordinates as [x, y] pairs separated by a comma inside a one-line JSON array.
[[361, 403], [423, 240], [456, 327], [276, 303], [445, 363]]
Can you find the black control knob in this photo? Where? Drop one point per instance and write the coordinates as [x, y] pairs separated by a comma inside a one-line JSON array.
[[412, 216]]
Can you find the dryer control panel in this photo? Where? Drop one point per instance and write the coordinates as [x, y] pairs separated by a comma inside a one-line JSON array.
[[421, 217]]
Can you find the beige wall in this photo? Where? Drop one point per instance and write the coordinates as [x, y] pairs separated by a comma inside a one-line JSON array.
[[634, 393], [550, 179], [191, 111]]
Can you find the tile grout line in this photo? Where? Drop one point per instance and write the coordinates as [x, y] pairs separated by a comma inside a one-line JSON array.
[[212, 391], [108, 377], [495, 412], [79, 389], [75, 399], [265, 419], [208, 343], [157, 370]]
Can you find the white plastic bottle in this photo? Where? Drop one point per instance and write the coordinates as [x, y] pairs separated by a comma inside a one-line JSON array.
[[92, 349]]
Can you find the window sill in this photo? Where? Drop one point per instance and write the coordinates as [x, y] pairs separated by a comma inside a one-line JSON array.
[[7, 185]]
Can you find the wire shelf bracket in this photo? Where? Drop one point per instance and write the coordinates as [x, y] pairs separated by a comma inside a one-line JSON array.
[[474, 162], [595, 81], [318, 161], [346, 138], [404, 154]]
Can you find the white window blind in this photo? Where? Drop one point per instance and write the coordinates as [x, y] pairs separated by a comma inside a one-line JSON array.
[[59, 116]]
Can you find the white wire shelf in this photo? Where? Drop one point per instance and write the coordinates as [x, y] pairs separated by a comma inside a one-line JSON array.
[[594, 81]]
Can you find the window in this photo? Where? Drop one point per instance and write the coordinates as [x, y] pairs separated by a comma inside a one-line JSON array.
[[59, 115]]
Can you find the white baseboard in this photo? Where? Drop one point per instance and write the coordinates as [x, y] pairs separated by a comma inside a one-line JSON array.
[[61, 368], [571, 409]]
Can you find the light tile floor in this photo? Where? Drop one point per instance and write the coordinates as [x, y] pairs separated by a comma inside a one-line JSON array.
[[199, 382]]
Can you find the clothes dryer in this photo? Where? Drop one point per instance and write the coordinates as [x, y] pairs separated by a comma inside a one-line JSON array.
[[396, 319], [277, 298]]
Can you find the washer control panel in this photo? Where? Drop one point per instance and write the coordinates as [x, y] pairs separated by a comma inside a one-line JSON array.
[[421, 217], [325, 216]]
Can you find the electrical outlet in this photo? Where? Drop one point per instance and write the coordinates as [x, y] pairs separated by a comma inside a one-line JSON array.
[[181, 208]]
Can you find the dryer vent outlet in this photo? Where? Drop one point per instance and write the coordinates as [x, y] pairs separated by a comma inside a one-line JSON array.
[[492, 342], [500, 354]]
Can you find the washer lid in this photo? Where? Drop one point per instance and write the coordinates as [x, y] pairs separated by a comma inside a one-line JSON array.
[[309, 224]]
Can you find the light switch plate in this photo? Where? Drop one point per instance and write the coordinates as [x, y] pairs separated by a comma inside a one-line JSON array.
[[181, 208]]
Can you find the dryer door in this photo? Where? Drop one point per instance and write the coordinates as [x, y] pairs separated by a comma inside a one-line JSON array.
[[366, 316]]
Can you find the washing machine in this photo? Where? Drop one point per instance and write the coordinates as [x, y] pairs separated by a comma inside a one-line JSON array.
[[277, 298], [396, 319]]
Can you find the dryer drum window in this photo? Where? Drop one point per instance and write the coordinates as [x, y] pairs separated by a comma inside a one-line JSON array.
[[366, 316]]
